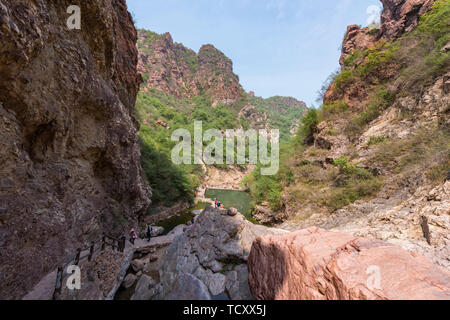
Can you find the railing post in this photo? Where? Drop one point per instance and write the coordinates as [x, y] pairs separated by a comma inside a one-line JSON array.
[[103, 242], [58, 284], [77, 258], [91, 251]]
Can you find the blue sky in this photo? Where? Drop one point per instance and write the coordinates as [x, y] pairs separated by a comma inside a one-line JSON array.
[[278, 47]]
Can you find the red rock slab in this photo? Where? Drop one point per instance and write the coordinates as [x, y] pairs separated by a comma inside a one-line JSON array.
[[315, 264]]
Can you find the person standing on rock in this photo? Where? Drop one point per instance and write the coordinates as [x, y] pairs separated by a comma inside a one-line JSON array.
[[215, 203], [133, 236], [149, 233], [122, 242]]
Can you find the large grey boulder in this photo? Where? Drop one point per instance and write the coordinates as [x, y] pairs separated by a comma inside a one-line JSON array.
[[210, 257], [144, 288], [138, 264], [157, 231], [178, 230], [188, 287], [232, 212], [129, 280]]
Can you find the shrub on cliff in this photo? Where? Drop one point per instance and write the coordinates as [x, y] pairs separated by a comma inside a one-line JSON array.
[[307, 126], [169, 183], [381, 99], [330, 109]]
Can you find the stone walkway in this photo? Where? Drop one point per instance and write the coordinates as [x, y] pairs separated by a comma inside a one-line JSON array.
[[45, 288]]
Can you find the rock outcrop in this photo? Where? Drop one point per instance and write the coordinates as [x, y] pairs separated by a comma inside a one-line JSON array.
[[356, 38], [170, 68], [420, 223], [179, 71], [255, 118], [400, 16], [68, 144], [401, 145], [397, 18], [263, 214], [210, 258], [314, 264]]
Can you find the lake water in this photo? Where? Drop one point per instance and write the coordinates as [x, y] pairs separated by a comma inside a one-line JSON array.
[[182, 218], [240, 200]]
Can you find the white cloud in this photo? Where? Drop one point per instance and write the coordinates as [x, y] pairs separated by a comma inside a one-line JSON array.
[[279, 6]]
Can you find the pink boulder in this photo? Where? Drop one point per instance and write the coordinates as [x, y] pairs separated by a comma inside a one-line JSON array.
[[315, 264]]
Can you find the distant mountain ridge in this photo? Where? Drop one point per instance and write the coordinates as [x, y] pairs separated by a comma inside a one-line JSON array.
[[180, 87], [180, 72], [177, 70]]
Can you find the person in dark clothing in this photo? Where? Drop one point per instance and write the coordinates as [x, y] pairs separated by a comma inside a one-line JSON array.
[[122, 242], [133, 236], [149, 233]]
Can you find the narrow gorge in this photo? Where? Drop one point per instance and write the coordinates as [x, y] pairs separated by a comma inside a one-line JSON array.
[[358, 210]]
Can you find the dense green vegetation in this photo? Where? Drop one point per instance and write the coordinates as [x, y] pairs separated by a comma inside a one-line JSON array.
[[269, 188], [282, 113], [169, 182], [160, 114]]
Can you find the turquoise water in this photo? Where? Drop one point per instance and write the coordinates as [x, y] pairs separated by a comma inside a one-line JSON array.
[[240, 200], [182, 218], [233, 199]]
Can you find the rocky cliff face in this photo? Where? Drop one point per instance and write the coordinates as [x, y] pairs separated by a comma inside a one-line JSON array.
[[179, 71], [400, 16], [376, 161], [356, 38], [68, 147]]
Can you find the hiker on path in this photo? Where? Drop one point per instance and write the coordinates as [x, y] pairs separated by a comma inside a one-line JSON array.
[[149, 233], [215, 203], [133, 236], [123, 240]]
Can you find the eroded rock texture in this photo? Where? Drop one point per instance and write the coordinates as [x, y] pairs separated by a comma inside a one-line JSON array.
[[356, 38], [315, 264], [210, 258], [400, 16], [68, 145], [179, 71]]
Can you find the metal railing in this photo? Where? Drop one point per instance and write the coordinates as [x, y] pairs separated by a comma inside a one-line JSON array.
[[104, 241]]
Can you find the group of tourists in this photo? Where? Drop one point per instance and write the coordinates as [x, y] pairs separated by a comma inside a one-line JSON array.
[[134, 236], [217, 203]]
